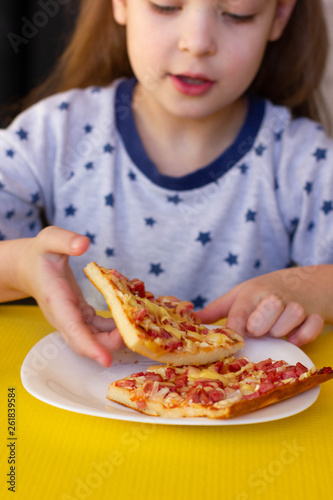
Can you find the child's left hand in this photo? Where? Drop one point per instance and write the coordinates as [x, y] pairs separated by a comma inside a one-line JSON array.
[[272, 305]]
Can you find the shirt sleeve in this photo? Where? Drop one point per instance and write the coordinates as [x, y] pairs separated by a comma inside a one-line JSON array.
[[34, 156], [304, 185]]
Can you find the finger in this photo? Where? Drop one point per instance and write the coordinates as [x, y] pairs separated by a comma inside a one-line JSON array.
[[111, 340], [217, 309], [54, 240], [292, 317], [239, 313], [103, 324], [72, 326], [308, 331], [262, 319]]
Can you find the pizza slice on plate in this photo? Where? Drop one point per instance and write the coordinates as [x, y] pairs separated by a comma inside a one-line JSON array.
[[162, 328], [220, 390]]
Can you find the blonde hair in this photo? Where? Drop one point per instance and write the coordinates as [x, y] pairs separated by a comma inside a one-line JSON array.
[[290, 74]]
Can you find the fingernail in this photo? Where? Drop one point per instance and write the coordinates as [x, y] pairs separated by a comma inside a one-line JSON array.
[[76, 243]]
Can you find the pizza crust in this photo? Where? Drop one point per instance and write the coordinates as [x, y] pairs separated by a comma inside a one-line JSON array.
[[129, 331]]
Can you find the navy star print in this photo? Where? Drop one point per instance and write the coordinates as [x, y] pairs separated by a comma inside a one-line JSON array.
[[308, 187], [320, 154], [108, 148], [109, 200], [204, 238], [2, 185], [257, 264], [89, 166], [109, 252], [23, 134], [10, 214], [232, 260], [243, 168], [132, 176], [64, 106], [2, 236], [311, 226], [199, 302], [10, 153], [260, 149], [35, 198], [150, 222], [156, 269], [88, 128], [174, 199], [91, 237], [70, 211], [251, 216], [327, 207]]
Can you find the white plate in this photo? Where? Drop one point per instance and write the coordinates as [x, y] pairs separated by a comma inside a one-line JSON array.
[[55, 374]]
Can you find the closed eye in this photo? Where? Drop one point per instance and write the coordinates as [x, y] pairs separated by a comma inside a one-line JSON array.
[[237, 18], [164, 9]]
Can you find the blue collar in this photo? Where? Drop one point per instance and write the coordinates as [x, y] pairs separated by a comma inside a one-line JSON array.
[[212, 172]]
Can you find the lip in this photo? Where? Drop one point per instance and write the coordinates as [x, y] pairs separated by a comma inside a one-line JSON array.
[[192, 84]]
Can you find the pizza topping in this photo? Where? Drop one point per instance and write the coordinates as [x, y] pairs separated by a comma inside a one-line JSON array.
[[218, 384], [170, 323]]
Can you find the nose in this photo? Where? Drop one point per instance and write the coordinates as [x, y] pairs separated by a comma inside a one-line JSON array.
[[197, 36]]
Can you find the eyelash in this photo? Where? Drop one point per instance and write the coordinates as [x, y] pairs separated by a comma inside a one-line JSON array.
[[164, 9], [170, 9], [238, 18]]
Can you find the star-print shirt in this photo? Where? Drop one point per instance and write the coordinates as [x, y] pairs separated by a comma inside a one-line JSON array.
[[265, 202]]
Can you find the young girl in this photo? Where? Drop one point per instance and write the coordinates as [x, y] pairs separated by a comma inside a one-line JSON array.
[[158, 154]]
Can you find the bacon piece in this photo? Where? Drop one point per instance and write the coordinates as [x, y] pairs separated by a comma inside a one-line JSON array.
[[170, 373], [204, 382], [215, 395], [137, 287], [182, 381], [118, 275], [140, 314], [153, 376], [262, 365], [173, 345], [236, 365], [130, 384], [219, 366], [159, 333], [138, 374], [187, 327]]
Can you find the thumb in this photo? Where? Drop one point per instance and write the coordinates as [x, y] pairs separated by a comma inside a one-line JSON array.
[[217, 309], [54, 240]]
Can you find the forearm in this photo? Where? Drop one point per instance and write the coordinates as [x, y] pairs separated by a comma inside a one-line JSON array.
[[12, 255]]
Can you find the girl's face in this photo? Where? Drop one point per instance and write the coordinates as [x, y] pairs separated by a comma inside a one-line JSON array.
[[196, 58]]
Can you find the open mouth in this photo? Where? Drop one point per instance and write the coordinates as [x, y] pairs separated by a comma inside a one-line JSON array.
[[193, 80], [192, 85]]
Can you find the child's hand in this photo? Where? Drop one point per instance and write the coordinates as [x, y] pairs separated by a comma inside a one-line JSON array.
[[48, 278], [267, 305]]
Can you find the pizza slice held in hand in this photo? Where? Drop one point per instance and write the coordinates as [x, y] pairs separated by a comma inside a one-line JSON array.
[[163, 328]]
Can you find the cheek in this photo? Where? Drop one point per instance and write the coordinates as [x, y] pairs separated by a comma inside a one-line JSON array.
[[247, 60]]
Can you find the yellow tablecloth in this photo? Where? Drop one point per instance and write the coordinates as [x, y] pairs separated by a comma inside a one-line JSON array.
[[63, 455]]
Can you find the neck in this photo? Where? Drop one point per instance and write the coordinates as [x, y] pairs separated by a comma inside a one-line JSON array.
[[184, 145]]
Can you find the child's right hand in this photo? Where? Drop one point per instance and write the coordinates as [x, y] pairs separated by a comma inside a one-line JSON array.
[[46, 276]]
